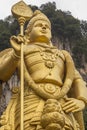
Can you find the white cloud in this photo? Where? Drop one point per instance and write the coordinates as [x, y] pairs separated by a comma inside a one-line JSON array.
[[5, 5], [78, 8]]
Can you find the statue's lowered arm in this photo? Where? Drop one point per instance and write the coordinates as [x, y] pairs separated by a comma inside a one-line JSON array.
[[79, 87]]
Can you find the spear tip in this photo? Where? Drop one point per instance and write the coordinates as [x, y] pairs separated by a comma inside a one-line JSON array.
[[21, 9]]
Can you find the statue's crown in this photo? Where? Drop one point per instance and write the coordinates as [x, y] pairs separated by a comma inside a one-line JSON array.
[[37, 15]]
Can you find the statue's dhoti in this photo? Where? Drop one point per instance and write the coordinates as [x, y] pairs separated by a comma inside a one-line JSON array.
[[36, 112]]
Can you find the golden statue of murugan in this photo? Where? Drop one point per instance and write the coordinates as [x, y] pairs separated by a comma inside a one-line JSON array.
[[54, 91]]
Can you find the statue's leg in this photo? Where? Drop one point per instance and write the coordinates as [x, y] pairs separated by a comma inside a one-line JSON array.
[[27, 128], [39, 127], [71, 123]]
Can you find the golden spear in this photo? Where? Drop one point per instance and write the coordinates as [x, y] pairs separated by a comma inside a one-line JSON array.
[[23, 13]]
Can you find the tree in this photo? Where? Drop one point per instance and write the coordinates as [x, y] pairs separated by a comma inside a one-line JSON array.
[[4, 35]]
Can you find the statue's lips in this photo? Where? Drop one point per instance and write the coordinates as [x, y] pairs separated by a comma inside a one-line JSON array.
[[43, 31]]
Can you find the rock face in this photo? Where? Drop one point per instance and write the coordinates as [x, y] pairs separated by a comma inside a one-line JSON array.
[[5, 91]]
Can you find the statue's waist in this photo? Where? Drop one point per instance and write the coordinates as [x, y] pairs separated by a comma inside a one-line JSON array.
[[46, 87]]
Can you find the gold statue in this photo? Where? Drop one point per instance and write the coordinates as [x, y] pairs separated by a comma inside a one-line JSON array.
[[54, 91]]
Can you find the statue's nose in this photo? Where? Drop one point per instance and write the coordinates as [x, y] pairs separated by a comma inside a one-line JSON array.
[[44, 27]]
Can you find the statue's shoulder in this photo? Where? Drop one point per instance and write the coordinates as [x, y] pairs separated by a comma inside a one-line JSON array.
[[68, 57], [7, 52], [66, 54]]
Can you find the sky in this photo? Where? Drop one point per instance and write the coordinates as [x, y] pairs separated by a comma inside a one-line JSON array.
[[78, 8]]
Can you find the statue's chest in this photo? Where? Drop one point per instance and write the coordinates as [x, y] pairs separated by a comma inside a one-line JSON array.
[[48, 56]]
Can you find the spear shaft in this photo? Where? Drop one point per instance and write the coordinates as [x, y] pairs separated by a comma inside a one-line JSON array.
[[23, 13], [21, 22], [22, 89], [22, 75]]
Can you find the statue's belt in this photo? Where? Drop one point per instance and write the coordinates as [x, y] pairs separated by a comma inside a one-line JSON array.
[[50, 88], [47, 87]]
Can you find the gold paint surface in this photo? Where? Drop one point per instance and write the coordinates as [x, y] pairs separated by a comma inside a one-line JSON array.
[[53, 93]]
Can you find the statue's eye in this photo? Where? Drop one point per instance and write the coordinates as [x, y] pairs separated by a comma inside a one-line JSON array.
[[47, 26], [38, 25]]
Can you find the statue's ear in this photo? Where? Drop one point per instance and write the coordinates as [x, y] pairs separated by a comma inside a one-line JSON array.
[[27, 37], [26, 32]]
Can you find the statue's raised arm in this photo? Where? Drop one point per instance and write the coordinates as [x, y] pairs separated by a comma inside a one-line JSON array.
[[54, 91], [8, 64]]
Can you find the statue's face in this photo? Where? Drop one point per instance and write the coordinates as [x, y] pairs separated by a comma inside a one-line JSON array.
[[40, 32]]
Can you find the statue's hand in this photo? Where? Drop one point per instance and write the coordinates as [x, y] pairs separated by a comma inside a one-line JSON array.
[[73, 105], [16, 43]]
